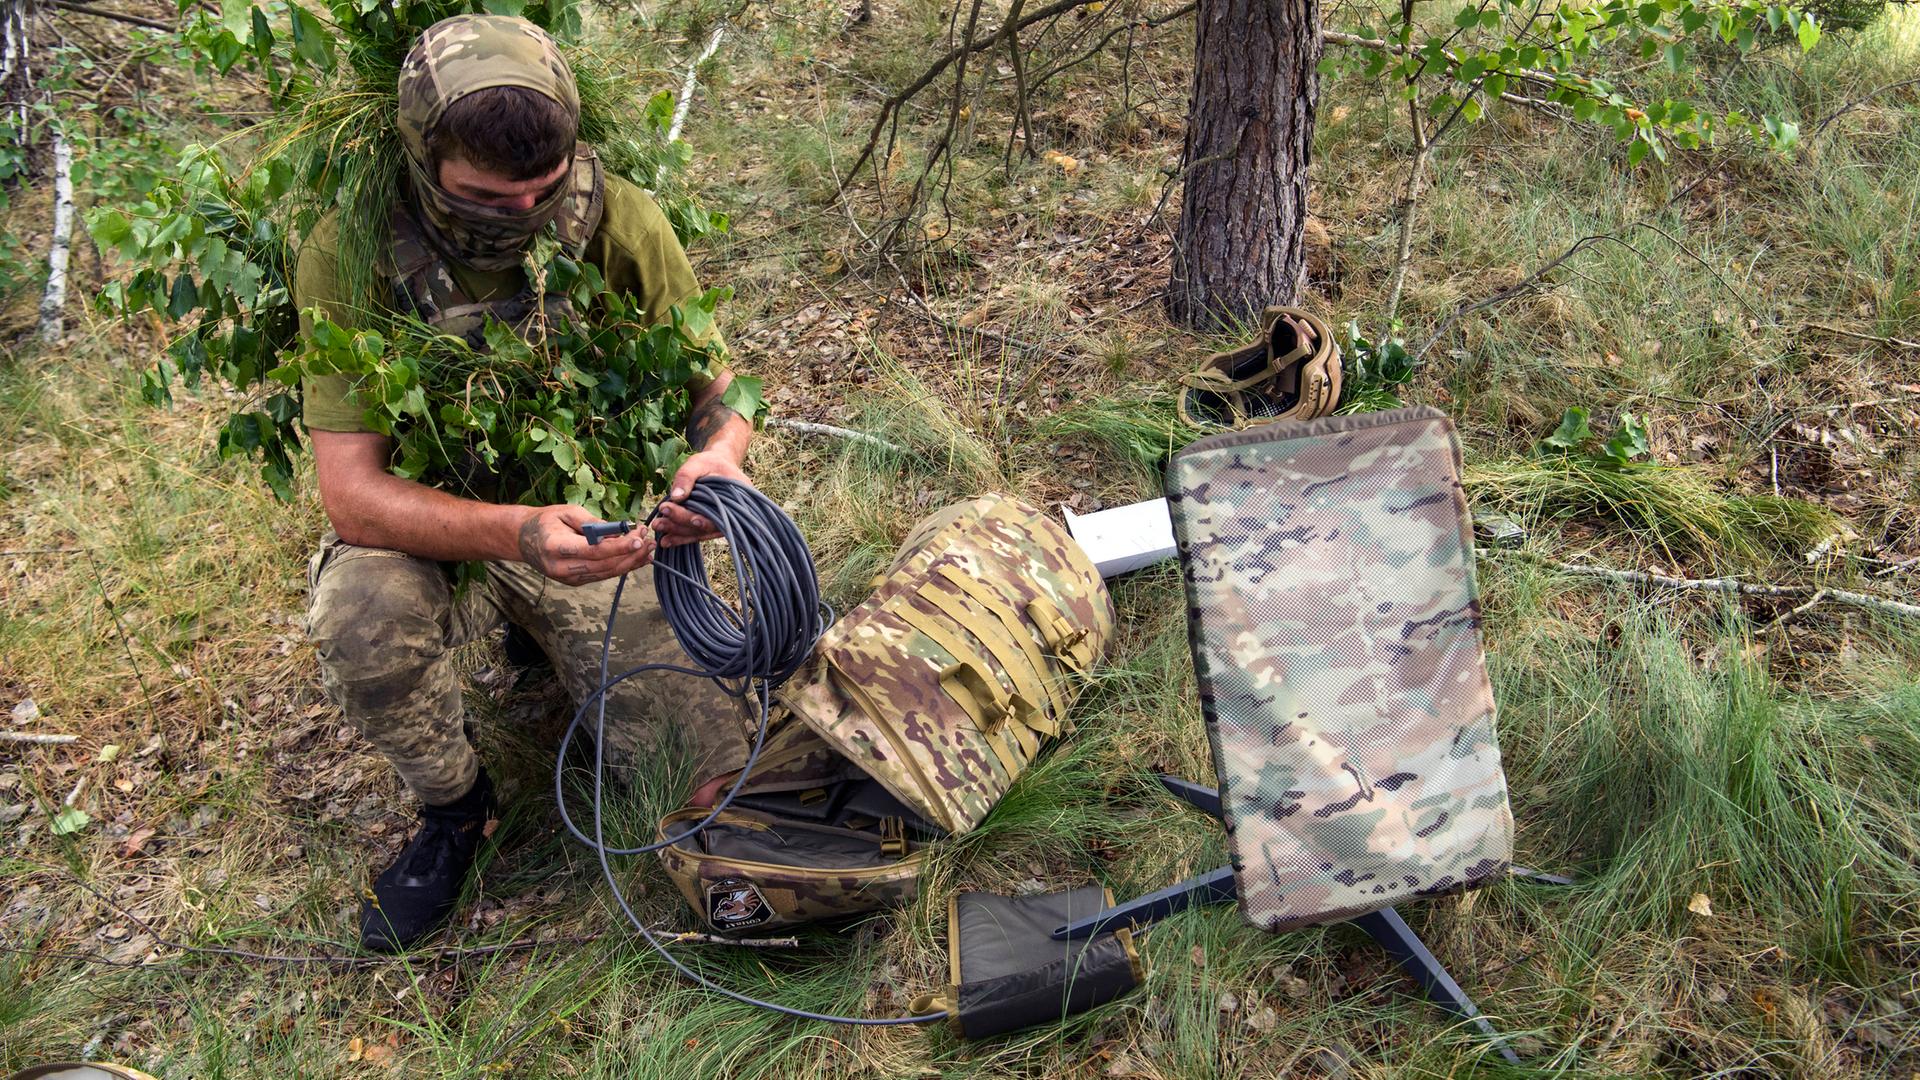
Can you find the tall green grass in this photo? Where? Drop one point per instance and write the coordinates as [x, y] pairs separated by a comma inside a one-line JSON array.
[[1678, 510]]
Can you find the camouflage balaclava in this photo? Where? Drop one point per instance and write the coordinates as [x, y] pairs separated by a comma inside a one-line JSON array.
[[451, 59]]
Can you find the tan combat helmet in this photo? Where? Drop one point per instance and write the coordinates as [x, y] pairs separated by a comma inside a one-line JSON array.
[[1291, 373]]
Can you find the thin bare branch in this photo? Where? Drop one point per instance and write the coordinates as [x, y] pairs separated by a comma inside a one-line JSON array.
[[1731, 586], [437, 956], [829, 430], [891, 106], [1898, 343], [1532, 281], [116, 16], [1129, 28], [1857, 102]]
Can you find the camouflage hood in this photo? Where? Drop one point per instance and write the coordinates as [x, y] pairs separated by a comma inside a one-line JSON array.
[[454, 58]]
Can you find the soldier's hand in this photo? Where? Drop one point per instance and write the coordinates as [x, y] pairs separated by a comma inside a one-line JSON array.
[[678, 525], [551, 542]]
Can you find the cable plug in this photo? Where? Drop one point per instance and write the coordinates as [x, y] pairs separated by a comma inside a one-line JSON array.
[[596, 531]]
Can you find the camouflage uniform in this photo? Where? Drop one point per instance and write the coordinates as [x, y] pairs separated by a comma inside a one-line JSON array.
[[384, 622], [1336, 638]]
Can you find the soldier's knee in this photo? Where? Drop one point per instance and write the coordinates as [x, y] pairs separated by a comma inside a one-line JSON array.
[[379, 619]]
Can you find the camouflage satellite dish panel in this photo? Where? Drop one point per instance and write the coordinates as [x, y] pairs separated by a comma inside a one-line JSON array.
[[948, 680], [1336, 639]]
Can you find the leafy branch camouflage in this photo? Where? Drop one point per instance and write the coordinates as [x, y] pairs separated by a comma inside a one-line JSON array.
[[590, 412]]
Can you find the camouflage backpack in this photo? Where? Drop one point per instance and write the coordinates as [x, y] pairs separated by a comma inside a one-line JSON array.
[[918, 710], [1336, 640]]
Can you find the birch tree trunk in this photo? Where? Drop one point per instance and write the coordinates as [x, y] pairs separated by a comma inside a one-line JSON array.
[[54, 301]]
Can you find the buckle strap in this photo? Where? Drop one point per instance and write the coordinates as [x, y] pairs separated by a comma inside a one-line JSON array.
[[1000, 716], [893, 838], [1016, 629], [1071, 644]]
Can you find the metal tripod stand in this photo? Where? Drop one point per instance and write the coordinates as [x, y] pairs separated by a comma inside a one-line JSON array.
[[1385, 926]]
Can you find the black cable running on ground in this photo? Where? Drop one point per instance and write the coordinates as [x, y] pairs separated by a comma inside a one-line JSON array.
[[746, 651]]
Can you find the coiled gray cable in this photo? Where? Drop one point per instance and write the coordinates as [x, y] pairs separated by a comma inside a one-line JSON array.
[[747, 650]]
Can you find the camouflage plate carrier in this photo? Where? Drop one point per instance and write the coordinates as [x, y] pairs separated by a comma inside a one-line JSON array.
[[1336, 639], [917, 711]]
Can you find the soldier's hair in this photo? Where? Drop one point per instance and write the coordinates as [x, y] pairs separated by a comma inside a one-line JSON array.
[[510, 130]]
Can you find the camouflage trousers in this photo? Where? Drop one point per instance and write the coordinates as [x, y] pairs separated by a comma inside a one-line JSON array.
[[385, 625]]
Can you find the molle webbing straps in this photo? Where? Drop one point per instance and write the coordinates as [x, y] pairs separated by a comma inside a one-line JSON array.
[[972, 647], [1017, 632], [972, 685], [1029, 677]]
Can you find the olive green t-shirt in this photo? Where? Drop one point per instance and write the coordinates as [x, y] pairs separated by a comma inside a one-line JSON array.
[[634, 249]]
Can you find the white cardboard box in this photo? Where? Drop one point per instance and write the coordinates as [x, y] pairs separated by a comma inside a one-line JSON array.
[[1123, 538]]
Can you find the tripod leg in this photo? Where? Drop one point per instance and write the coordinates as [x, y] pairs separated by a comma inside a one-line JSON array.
[[1202, 797], [1393, 934], [1539, 876], [1214, 887]]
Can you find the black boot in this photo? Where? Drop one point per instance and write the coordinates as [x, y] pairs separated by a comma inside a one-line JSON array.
[[411, 898], [522, 651]]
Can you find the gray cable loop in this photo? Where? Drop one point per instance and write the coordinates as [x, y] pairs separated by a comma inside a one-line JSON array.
[[751, 649]]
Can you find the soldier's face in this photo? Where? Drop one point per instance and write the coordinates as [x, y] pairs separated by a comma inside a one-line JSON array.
[[463, 179]]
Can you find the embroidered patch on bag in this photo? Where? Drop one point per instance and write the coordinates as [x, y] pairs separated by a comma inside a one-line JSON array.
[[735, 904]]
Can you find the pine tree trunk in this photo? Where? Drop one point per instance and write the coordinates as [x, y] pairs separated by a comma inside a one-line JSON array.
[[1249, 138]]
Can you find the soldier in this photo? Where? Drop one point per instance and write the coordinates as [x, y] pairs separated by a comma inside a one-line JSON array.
[[488, 117]]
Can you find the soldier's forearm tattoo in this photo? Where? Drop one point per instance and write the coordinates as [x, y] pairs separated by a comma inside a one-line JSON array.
[[707, 421]]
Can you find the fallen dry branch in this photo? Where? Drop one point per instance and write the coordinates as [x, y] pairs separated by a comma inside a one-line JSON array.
[[1733, 586], [1897, 567], [437, 957], [698, 937], [116, 16], [829, 430], [1894, 342], [36, 738]]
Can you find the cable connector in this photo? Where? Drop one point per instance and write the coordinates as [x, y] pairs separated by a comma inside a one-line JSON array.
[[596, 531]]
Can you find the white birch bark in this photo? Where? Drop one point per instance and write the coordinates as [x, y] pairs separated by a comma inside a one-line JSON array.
[[686, 88], [54, 301]]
